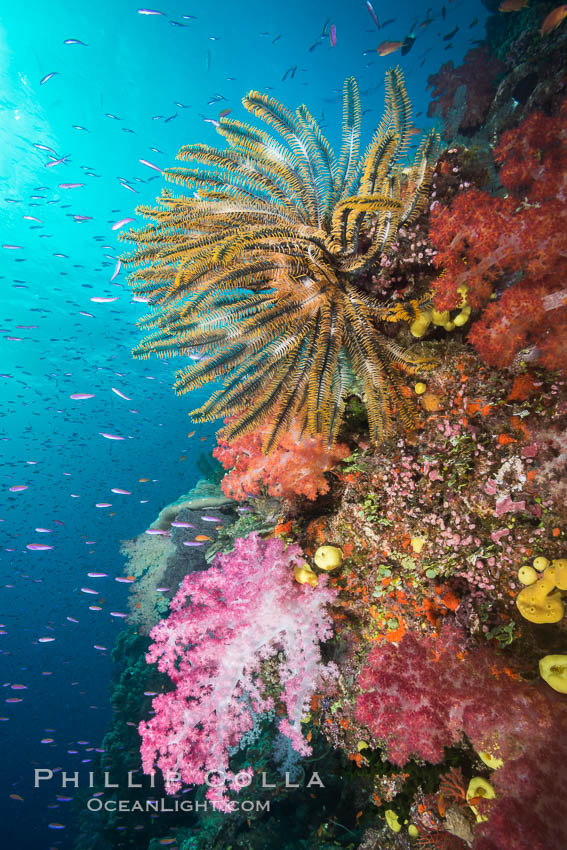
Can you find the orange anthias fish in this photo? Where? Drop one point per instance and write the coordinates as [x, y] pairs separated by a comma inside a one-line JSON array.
[[512, 5], [387, 47], [554, 19], [203, 537]]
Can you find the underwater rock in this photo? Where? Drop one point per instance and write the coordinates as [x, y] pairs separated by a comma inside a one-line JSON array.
[[203, 495]]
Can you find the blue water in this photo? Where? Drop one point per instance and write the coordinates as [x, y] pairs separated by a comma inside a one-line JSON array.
[[137, 89]]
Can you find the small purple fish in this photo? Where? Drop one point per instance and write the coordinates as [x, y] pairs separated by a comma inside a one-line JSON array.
[[38, 547], [116, 269], [192, 543], [151, 165], [47, 77], [110, 436], [74, 41], [333, 35], [211, 519], [372, 13], [176, 524], [70, 185], [118, 224], [114, 390]]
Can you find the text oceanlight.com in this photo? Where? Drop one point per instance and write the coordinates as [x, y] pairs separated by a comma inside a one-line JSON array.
[[167, 804]]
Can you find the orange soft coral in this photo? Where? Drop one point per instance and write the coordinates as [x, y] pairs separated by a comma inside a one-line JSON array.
[[295, 468]]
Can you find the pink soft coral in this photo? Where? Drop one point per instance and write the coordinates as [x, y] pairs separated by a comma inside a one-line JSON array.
[[224, 623], [429, 692], [295, 468]]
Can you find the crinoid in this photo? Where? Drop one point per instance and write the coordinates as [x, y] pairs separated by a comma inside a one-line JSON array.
[[259, 267]]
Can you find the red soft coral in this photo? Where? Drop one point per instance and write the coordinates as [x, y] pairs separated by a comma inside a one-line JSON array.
[[462, 95], [295, 468], [428, 692], [512, 249]]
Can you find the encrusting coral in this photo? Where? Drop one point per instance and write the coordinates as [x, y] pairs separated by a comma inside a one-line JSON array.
[[260, 270]]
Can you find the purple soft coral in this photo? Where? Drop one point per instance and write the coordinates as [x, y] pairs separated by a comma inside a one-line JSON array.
[[223, 624]]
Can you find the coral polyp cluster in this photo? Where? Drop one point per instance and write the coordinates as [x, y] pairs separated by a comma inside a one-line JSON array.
[[261, 268]]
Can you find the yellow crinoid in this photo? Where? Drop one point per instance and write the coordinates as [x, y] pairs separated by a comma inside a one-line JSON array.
[[258, 267]]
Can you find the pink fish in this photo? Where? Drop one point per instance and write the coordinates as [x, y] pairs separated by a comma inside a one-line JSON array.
[[70, 185], [57, 161], [117, 614], [116, 270], [110, 436], [89, 590], [333, 35], [32, 218], [149, 12], [81, 396], [17, 488], [100, 300], [372, 13], [74, 41], [118, 224], [124, 579], [83, 313], [103, 505], [47, 77], [114, 390], [44, 530], [121, 492], [97, 575], [151, 165], [46, 639], [38, 547]]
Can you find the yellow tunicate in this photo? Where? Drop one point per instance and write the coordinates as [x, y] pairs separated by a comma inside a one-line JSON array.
[[536, 602], [540, 563], [417, 544], [362, 745], [463, 289], [440, 318], [328, 558], [305, 575], [420, 388], [527, 575], [490, 760], [413, 831], [420, 325], [553, 670], [392, 820], [449, 326], [479, 787], [560, 567], [463, 317]]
